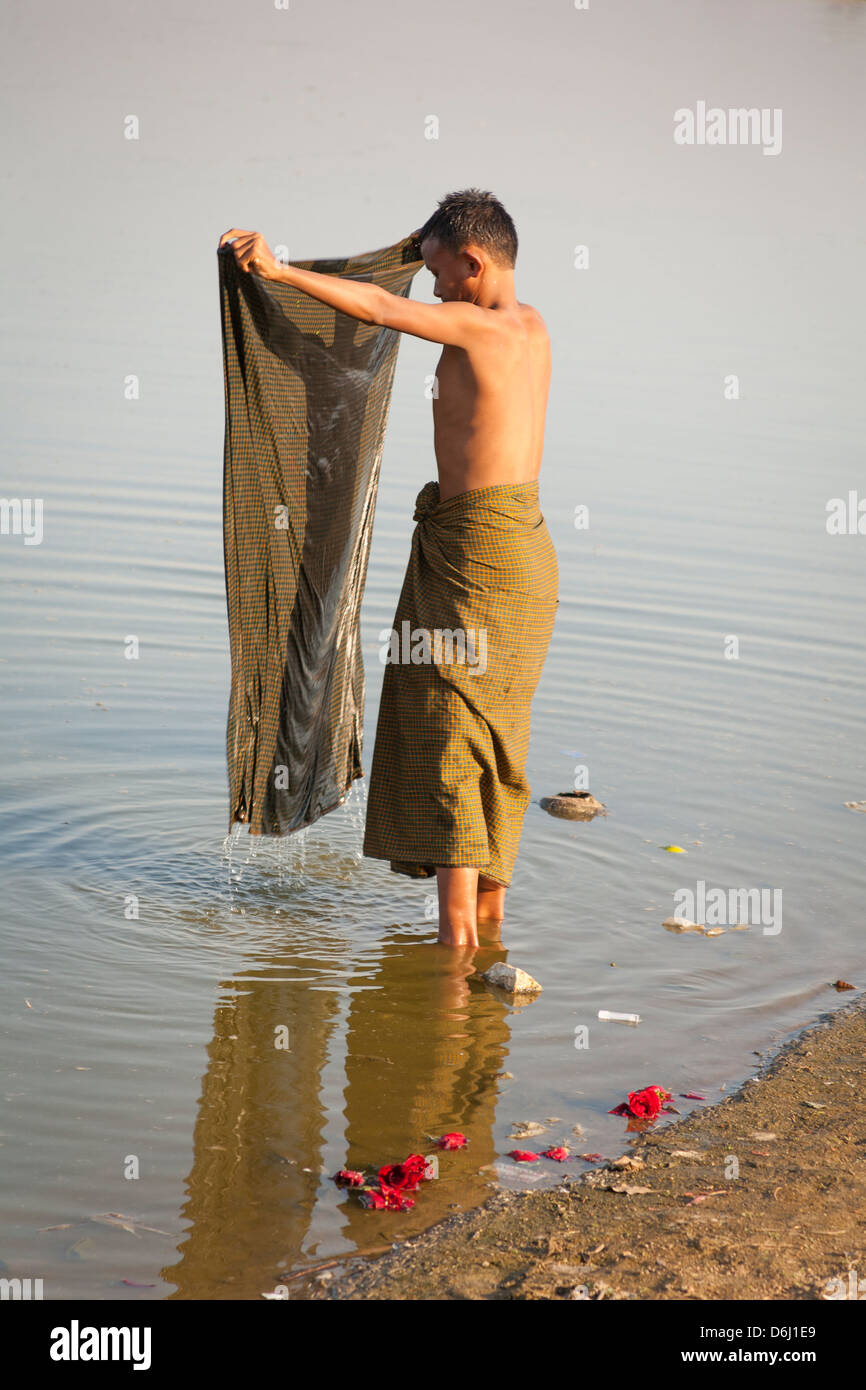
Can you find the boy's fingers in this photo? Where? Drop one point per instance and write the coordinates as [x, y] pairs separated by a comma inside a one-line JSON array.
[[241, 249], [233, 232], [244, 245]]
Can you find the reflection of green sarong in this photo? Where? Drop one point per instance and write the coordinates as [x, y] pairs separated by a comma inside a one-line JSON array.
[[448, 783]]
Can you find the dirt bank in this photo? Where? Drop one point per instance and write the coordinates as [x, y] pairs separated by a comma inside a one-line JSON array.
[[782, 1162]]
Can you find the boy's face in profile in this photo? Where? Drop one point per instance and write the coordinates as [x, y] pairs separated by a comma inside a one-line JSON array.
[[451, 271]]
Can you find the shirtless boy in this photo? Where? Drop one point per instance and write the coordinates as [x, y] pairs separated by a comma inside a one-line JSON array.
[[488, 413]]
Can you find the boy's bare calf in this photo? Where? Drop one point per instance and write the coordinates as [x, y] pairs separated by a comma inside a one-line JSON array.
[[468, 900]]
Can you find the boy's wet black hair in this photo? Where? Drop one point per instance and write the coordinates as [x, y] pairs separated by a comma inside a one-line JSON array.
[[473, 215]]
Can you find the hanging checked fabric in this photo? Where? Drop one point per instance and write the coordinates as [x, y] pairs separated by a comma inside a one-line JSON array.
[[307, 391]]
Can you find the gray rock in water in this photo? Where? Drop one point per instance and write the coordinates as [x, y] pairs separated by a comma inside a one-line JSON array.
[[573, 806], [512, 980], [681, 924]]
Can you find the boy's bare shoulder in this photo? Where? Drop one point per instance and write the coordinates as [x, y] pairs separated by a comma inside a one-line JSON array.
[[533, 319]]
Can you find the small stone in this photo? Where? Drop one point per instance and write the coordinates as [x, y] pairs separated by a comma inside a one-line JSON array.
[[510, 979], [573, 806], [525, 1129]]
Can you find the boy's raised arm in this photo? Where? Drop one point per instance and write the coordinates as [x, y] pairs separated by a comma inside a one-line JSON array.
[[452, 323]]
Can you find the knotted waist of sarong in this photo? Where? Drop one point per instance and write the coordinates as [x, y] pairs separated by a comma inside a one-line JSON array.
[[485, 539], [462, 661]]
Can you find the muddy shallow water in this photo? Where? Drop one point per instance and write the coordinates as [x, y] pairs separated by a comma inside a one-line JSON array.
[[758, 1197]]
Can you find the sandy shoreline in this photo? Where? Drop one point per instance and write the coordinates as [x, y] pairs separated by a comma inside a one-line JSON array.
[[784, 1158]]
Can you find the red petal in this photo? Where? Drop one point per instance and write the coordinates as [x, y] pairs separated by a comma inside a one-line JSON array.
[[415, 1169], [371, 1198], [392, 1175], [349, 1177], [395, 1200], [645, 1102], [452, 1141]]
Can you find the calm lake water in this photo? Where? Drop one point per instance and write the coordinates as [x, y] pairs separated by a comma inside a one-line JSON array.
[[145, 1045]]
